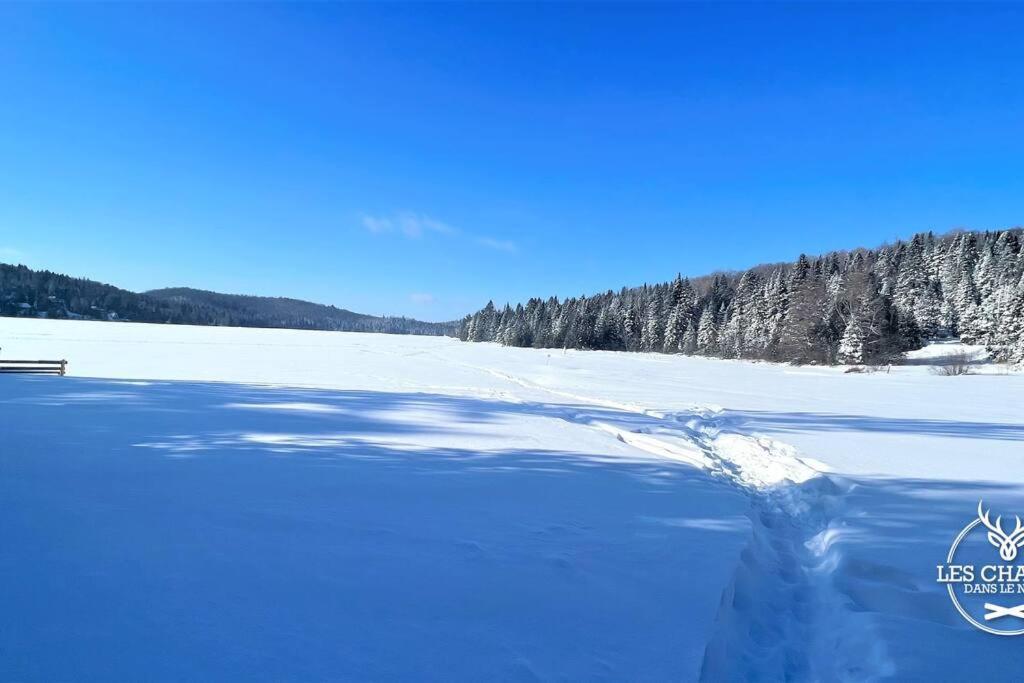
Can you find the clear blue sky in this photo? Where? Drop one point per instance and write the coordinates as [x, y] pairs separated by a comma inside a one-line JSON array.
[[421, 159]]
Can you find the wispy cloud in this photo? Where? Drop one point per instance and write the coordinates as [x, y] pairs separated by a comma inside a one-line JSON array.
[[413, 225], [10, 254], [507, 246], [408, 223], [377, 225], [421, 298]]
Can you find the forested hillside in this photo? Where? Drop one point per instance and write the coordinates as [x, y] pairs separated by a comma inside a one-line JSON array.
[[861, 306], [32, 293], [242, 310]]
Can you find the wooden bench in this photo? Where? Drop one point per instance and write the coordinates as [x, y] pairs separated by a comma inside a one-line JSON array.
[[34, 367]]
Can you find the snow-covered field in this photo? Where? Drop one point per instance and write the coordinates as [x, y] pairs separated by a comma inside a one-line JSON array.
[[212, 503]]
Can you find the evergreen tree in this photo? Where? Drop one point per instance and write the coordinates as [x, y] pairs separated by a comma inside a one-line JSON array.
[[927, 311], [851, 347], [632, 327], [690, 339], [652, 335], [675, 329], [707, 332], [911, 278]]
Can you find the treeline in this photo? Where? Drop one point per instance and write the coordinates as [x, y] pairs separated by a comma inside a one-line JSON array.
[[863, 306], [39, 293]]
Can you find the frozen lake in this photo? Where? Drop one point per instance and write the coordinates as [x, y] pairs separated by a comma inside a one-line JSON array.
[[211, 503]]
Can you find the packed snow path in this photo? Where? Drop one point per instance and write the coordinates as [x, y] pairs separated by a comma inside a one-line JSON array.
[[782, 617], [543, 515]]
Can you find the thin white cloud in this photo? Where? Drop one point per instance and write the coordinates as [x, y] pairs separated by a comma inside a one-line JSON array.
[[10, 254], [422, 298], [377, 225], [408, 223], [507, 246], [413, 225]]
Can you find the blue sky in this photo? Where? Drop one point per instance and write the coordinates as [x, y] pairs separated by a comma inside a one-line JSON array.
[[420, 160]]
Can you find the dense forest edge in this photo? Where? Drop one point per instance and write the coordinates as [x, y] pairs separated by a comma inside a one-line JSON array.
[[865, 306], [42, 294]]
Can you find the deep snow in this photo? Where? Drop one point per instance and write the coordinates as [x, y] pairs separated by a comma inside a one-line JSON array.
[[218, 502]]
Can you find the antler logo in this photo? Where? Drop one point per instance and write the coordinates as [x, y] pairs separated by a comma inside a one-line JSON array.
[[978, 583], [1007, 543]]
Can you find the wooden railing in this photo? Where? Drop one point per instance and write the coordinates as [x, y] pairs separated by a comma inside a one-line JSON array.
[[34, 367]]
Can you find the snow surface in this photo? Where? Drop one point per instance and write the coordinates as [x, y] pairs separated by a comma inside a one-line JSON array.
[[210, 503], [948, 349]]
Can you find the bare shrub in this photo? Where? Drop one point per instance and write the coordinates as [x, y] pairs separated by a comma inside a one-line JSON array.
[[868, 369], [952, 365]]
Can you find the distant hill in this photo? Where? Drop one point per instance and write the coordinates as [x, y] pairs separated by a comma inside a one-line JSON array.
[[40, 293]]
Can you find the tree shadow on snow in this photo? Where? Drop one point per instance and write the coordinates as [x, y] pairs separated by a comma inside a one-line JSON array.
[[289, 533], [782, 422], [204, 531]]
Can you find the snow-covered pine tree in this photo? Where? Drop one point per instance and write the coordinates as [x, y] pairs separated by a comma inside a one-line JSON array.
[[652, 334], [675, 329], [632, 325], [928, 311], [730, 333], [776, 305], [690, 339], [675, 292], [745, 310], [687, 300], [911, 277], [802, 337], [1014, 335], [851, 346], [908, 330], [1007, 321], [484, 324], [707, 332]]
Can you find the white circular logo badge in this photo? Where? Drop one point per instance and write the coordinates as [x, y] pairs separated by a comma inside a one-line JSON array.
[[984, 574]]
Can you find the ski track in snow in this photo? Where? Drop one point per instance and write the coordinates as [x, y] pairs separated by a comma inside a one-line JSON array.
[[782, 617]]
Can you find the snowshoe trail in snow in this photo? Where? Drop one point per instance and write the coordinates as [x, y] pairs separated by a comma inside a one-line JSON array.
[[783, 616]]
